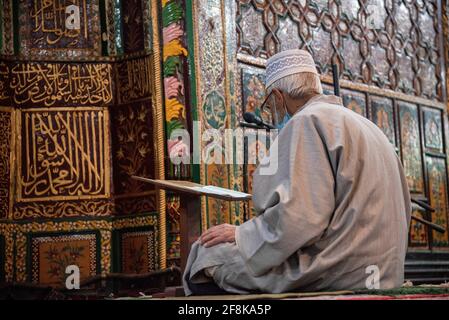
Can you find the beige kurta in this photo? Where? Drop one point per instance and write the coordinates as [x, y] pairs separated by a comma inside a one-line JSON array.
[[338, 204]]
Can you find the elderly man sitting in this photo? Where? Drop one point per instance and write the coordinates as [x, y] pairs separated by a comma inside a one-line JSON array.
[[334, 216]]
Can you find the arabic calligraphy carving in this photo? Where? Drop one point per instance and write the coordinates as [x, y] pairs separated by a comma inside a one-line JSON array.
[[63, 154], [134, 79], [63, 84], [52, 27]]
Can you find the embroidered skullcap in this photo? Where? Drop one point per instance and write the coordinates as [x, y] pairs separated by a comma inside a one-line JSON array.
[[288, 62]]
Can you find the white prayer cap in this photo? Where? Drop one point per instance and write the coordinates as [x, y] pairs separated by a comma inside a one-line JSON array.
[[288, 62]]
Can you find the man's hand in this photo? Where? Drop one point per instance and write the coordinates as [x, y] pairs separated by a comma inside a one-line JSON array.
[[218, 234]]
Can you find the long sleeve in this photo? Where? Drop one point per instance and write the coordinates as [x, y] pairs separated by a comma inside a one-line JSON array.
[[295, 204]]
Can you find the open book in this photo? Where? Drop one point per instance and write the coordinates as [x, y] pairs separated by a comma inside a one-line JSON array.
[[213, 190], [197, 189]]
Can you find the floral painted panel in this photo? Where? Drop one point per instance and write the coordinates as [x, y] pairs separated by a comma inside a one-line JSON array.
[[411, 147], [433, 133], [383, 116], [436, 170], [133, 26], [253, 91], [52, 254], [138, 252]]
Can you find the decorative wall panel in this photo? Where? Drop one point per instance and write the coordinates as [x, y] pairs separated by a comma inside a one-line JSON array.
[[355, 101], [137, 250], [60, 29], [60, 150], [50, 255], [213, 96], [438, 196], [253, 90], [6, 146], [62, 154], [133, 26], [411, 146], [133, 154], [40, 247], [433, 131], [6, 252], [418, 231], [61, 84], [134, 77], [7, 47], [4, 84], [383, 115]]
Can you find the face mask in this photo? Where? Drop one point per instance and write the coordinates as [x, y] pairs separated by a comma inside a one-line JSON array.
[[281, 125]]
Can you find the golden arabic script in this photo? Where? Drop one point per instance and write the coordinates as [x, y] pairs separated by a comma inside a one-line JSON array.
[[63, 154], [50, 83], [135, 79], [59, 21]]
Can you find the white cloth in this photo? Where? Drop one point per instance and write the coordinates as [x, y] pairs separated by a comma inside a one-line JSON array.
[[338, 204]]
